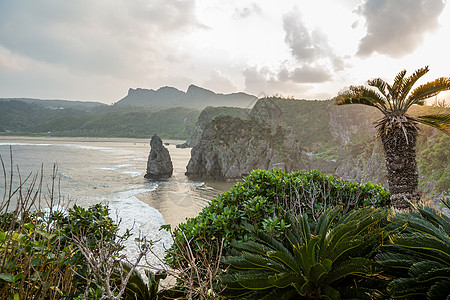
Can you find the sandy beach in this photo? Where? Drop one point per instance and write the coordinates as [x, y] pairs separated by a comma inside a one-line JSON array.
[[176, 199]]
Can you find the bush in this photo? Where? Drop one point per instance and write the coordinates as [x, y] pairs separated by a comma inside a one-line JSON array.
[[263, 197]]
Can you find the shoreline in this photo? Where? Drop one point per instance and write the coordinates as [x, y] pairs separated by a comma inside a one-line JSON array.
[[85, 139]]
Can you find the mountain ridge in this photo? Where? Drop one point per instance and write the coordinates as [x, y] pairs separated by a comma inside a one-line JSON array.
[[194, 97]]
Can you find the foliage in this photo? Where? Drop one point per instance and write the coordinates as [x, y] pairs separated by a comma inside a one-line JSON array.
[[263, 197], [299, 115], [53, 253], [434, 163], [137, 288], [418, 256], [104, 121], [314, 261], [34, 262]]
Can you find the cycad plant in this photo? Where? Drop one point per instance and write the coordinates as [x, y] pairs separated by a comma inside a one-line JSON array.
[[398, 130], [314, 260], [418, 257]]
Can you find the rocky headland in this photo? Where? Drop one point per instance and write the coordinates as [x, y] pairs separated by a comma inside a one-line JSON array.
[[231, 147], [294, 135]]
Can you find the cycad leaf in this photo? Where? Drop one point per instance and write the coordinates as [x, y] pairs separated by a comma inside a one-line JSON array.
[[361, 95], [305, 230], [286, 259], [309, 259], [439, 290], [282, 280], [271, 242], [436, 217], [262, 262], [357, 265], [237, 262], [254, 280], [396, 260], [429, 270], [409, 82], [428, 90], [325, 220], [420, 243], [331, 293], [250, 246], [420, 224], [316, 272], [441, 122], [231, 281], [343, 246], [406, 287]]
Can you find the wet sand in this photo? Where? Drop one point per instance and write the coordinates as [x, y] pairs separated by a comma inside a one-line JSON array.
[[176, 199], [179, 198]]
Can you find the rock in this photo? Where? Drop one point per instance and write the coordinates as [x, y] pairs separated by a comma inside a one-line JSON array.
[[182, 146], [159, 163], [231, 148]]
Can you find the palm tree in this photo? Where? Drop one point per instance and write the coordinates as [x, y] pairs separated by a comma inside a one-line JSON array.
[[398, 130]]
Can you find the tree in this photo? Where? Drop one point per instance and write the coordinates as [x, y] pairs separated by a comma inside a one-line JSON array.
[[398, 130]]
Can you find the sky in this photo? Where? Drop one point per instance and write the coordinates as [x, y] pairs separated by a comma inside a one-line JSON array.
[[97, 49]]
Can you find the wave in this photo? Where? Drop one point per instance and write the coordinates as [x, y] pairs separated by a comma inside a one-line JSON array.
[[144, 221]]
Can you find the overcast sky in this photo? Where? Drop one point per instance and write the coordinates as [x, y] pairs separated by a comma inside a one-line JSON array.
[[98, 49]]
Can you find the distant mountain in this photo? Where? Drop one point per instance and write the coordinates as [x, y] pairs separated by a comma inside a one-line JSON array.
[[194, 97], [57, 104]]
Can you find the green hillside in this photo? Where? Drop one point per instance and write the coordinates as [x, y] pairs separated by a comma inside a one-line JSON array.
[[19, 118]]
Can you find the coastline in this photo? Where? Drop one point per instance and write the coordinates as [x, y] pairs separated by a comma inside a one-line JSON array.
[[176, 199]]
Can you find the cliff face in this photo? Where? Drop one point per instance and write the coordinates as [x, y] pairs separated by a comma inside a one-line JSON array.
[[229, 148], [338, 140], [210, 113]]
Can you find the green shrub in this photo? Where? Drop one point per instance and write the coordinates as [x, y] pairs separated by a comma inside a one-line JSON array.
[[315, 261], [263, 197]]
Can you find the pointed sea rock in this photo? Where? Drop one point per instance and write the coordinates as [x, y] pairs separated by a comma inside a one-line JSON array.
[[159, 163]]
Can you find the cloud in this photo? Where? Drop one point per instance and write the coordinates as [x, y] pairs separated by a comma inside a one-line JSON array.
[[397, 27], [267, 82], [94, 37], [308, 46], [219, 83], [242, 13], [308, 74]]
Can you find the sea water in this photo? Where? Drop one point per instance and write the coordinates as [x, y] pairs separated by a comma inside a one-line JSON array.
[[111, 171]]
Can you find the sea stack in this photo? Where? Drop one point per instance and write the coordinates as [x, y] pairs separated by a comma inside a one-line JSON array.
[[159, 163]]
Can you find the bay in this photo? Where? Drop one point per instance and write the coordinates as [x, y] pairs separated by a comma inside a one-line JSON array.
[[110, 171]]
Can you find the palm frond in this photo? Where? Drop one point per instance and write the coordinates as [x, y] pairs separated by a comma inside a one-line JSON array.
[[364, 96], [381, 85], [425, 91], [409, 82], [440, 122], [395, 89]]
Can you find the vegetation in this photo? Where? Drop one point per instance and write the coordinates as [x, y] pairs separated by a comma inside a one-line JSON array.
[[71, 253], [397, 129], [262, 199], [302, 234], [417, 259], [434, 164], [314, 261], [21, 118], [299, 114]]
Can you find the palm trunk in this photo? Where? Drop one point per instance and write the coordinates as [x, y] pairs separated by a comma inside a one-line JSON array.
[[401, 164]]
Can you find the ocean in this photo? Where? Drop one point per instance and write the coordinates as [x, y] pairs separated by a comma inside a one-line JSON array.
[[111, 171]]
